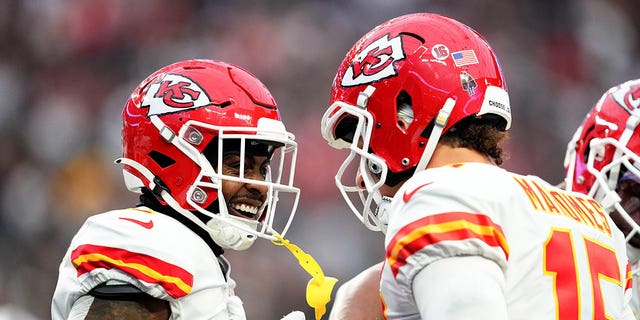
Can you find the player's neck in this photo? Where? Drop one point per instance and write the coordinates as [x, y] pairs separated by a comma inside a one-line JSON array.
[[444, 155]]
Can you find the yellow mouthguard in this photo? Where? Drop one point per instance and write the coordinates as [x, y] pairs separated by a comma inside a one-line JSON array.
[[319, 287]]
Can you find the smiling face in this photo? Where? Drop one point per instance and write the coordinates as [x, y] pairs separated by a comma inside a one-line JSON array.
[[244, 199], [247, 176]]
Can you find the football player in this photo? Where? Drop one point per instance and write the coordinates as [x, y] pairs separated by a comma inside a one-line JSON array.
[[421, 103], [204, 145], [603, 161]]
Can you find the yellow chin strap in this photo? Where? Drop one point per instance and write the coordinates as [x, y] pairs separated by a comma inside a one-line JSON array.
[[319, 287]]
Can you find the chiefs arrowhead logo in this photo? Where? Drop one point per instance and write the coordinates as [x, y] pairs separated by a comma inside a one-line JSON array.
[[628, 95], [374, 62], [632, 97], [174, 93]]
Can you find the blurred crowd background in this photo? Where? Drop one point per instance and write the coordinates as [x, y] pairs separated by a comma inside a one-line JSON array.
[[67, 67]]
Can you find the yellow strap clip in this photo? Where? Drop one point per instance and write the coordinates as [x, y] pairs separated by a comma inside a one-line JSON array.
[[319, 287]]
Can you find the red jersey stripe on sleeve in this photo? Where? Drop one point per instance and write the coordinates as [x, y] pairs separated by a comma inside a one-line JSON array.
[[445, 226], [176, 281]]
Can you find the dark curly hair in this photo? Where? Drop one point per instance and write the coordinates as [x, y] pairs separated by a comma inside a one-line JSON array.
[[481, 134]]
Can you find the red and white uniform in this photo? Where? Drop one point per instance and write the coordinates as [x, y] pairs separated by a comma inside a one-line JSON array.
[[551, 254], [154, 253]]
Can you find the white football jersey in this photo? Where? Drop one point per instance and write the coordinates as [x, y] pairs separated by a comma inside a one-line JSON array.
[[154, 253], [561, 255]]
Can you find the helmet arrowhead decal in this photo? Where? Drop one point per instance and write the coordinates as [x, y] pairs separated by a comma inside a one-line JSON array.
[[375, 62], [627, 95], [174, 93]]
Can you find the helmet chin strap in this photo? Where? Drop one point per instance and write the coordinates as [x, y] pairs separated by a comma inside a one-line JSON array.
[[440, 122], [231, 237]]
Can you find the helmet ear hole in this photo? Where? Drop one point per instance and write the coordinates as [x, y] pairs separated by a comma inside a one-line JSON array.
[[161, 159], [404, 110]]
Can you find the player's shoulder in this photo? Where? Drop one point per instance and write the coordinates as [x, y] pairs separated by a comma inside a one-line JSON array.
[[123, 221], [468, 171], [140, 229], [467, 187], [139, 241], [133, 211], [120, 219], [465, 178]]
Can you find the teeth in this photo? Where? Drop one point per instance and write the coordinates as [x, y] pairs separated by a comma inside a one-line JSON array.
[[246, 208]]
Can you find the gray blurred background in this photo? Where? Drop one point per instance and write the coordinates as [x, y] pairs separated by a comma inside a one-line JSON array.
[[67, 67]]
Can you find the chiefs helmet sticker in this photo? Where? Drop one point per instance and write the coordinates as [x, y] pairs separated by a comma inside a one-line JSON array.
[[174, 93], [375, 62], [468, 83], [440, 52], [628, 95]]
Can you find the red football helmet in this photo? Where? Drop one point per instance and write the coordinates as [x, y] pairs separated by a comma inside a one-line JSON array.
[[399, 88], [605, 150], [175, 126]]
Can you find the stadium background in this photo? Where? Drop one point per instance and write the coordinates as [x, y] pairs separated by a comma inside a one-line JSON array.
[[67, 66]]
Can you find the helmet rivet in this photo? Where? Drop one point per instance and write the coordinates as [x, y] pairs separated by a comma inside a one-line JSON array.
[[421, 144], [378, 125], [405, 162], [580, 179], [199, 196], [194, 136]]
